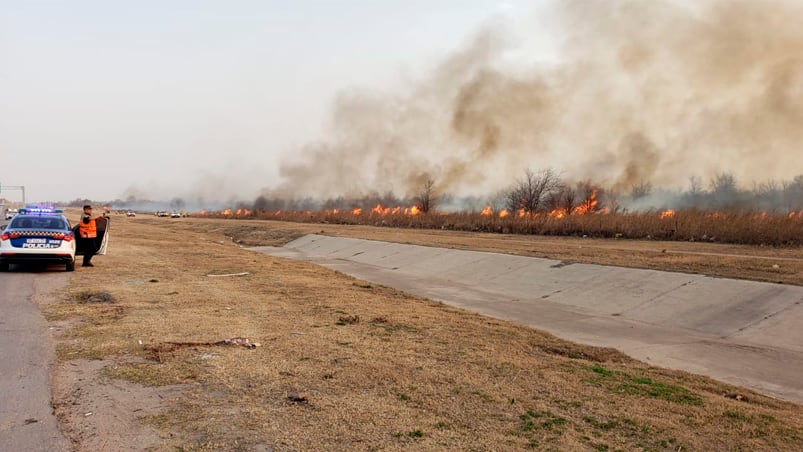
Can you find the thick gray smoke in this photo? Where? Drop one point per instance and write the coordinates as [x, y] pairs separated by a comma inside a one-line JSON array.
[[642, 91]]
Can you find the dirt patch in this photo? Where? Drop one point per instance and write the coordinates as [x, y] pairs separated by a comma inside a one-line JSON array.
[[99, 413]]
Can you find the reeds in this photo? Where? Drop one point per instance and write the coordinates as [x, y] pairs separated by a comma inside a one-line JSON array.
[[683, 225]]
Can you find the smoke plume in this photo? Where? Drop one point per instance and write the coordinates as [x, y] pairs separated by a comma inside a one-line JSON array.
[[636, 92]]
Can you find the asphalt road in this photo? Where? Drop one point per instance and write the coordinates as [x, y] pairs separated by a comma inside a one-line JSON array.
[[27, 422]]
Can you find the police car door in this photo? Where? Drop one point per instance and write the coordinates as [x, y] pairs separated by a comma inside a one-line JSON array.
[[102, 224]]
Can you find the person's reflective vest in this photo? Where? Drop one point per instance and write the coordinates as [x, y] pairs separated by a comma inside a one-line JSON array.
[[88, 230]]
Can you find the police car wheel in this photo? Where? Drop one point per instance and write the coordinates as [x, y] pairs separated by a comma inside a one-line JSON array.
[[71, 267]]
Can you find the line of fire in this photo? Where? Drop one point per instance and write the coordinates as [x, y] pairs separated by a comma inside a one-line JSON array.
[[588, 217]]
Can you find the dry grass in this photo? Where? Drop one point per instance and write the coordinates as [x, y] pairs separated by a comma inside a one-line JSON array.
[[346, 364], [736, 227]]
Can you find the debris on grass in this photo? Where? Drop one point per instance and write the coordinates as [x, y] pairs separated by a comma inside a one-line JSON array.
[[299, 397], [736, 396], [94, 297], [230, 274], [158, 351], [348, 319], [240, 341]]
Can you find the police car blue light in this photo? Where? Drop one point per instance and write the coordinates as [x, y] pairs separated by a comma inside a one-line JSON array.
[[35, 210]]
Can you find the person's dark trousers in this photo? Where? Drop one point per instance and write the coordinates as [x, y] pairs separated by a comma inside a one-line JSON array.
[[89, 250]]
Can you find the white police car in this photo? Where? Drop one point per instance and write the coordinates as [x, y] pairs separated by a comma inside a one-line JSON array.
[[37, 235]]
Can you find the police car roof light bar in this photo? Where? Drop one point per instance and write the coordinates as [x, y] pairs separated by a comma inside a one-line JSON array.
[[38, 210]]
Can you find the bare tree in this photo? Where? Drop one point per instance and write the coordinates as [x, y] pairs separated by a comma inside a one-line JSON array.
[[564, 199], [694, 195], [641, 190], [569, 199], [793, 193], [723, 184], [724, 192], [389, 199], [531, 192], [695, 186], [498, 201], [426, 199], [769, 196], [554, 200]]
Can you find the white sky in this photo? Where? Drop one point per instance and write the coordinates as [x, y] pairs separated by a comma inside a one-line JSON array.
[[102, 99]]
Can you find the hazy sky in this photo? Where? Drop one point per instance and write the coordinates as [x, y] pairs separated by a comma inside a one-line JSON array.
[[105, 99], [217, 100]]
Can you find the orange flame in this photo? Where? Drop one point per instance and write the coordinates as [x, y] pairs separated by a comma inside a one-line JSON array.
[[557, 213], [380, 210], [487, 211], [588, 206], [503, 213], [667, 214]]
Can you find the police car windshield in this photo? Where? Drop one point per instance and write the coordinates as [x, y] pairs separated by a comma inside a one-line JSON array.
[[37, 222]]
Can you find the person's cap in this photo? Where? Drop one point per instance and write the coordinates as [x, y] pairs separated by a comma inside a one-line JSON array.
[[87, 206]]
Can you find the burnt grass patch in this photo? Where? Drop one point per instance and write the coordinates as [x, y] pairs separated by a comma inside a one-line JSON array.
[[93, 297], [581, 352]]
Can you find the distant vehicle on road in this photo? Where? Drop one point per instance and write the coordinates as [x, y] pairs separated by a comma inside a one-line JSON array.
[[162, 213], [130, 213], [8, 213], [175, 214]]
